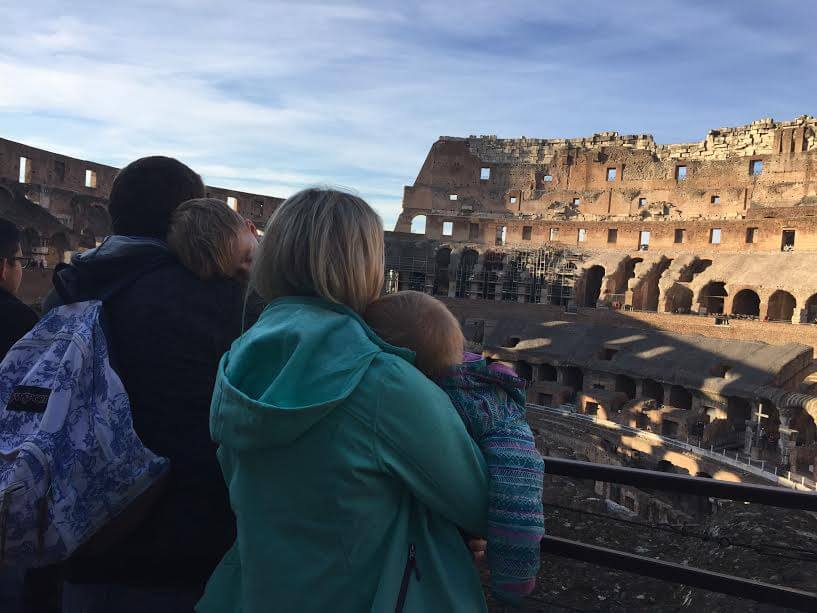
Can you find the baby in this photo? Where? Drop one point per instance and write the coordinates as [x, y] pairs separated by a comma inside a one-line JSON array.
[[211, 240], [491, 402]]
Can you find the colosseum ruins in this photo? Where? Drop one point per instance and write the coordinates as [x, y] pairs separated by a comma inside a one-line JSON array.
[[667, 287]]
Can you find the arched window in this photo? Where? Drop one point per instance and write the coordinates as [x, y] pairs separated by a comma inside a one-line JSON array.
[[592, 285], [418, 224], [781, 306], [746, 302], [712, 296], [811, 309]]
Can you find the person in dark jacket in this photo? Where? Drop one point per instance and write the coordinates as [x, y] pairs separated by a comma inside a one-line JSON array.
[[16, 319], [167, 330]]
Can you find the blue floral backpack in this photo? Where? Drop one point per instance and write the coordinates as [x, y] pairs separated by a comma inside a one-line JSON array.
[[70, 460]]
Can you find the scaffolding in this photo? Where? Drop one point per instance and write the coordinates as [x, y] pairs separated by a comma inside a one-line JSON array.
[[547, 275], [409, 273]]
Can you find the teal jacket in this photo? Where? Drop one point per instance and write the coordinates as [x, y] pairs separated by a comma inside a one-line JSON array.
[[349, 473]]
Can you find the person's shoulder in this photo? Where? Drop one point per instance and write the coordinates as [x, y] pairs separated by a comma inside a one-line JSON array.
[[401, 387], [14, 308], [175, 280]]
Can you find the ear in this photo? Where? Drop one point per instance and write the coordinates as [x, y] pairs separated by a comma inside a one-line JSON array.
[[4, 269]]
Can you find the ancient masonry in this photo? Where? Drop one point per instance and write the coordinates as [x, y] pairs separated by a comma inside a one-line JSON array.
[[61, 202], [611, 223]]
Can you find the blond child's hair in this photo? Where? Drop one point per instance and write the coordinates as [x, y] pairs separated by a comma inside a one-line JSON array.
[[421, 323], [204, 235], [325, 243]]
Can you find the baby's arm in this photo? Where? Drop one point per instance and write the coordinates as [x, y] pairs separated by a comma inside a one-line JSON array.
[[515, 515]]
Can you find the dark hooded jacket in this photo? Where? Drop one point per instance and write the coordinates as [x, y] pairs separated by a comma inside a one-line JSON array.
[[167, 330], [16, 319]]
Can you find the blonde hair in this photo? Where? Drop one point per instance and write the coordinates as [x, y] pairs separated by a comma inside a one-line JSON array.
[[421, 323], [203, 235], [321, 242]]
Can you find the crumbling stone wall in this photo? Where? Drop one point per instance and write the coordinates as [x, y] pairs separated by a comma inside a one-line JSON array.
[[758, 171], [75, 192]]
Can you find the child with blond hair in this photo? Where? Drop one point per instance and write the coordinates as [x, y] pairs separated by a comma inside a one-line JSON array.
[[211, 240], [490, 399]]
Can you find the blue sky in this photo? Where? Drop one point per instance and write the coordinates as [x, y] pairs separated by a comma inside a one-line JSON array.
[[270, 97]]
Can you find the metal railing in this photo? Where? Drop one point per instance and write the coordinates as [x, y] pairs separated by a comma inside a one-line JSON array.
[[698, 486], [680, 573]]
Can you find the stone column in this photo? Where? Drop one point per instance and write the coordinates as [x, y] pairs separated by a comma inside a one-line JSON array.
[[764, 308], [667, 395], [475, 286], [453, 265], [748, 438], [728, 301], [786, 440]]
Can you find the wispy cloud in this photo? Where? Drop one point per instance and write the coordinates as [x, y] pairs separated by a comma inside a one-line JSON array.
[[274, 96]]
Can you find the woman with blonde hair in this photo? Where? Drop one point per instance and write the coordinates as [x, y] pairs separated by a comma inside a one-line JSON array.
[[349, 472]]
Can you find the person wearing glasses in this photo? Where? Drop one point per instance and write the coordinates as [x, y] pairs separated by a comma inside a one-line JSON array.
[[16, 319]]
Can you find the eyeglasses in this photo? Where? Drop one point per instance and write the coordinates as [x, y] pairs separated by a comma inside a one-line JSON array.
[[24, 261]]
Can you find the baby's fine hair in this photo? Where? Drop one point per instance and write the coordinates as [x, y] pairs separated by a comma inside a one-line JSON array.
[[421, 323], [203, 235]]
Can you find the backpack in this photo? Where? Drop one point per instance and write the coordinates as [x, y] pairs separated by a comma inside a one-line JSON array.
[[70, 460]]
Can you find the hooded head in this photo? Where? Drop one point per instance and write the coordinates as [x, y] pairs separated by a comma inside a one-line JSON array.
[[146, 192]]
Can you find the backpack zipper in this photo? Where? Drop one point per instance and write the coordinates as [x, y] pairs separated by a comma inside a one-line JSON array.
[[411, 565]]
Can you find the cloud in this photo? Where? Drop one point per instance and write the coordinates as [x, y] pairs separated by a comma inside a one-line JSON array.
[[274, 96]]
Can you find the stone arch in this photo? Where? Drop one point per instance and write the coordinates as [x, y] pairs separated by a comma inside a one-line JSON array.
[[647, 292], [811, 309], [806, 429], [442, 261], [738, 411], [29, 239], [712, 297], [524, 371], [87, 238], [418, 224], [628, 273], [680, 397], [593, 279], [58, 245], [626, 385], [465, 269], [652, 389], [547, 372], [572, 376], [781, 306], [678, 299], [746, 302]]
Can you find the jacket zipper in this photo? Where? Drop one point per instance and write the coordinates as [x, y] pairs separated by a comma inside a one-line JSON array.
[[411, 565]]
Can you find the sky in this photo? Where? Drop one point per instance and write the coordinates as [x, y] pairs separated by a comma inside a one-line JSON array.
[[270, 97]]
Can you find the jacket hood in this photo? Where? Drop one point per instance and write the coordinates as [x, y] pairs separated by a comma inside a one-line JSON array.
[[301, 359], [475, 374], [116, 263]]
